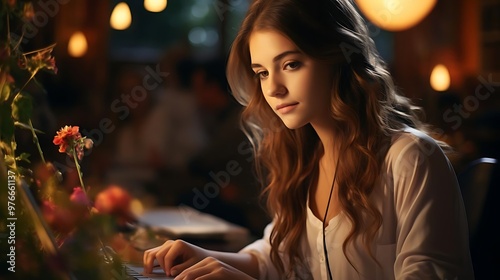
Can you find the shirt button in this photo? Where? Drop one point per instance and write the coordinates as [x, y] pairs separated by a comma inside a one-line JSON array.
[[322, 259]]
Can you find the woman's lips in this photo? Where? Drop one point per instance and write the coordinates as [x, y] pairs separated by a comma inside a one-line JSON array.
[[285, 108]]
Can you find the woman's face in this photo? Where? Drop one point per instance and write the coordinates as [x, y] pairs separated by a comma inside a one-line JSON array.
[[297, 87]]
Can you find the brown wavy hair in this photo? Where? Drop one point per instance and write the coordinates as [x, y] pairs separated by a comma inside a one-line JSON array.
[[364, 103]]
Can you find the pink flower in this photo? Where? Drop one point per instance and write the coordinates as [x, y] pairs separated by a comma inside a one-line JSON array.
[[79, 197], [49, 211], [45, 172], [58, 218]]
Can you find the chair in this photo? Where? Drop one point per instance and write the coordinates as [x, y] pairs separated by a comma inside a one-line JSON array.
[[475, 182], [479, 183]]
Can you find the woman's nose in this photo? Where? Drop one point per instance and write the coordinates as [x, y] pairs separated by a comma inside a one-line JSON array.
[[275, 86]]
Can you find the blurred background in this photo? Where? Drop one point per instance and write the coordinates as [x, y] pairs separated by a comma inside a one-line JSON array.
[[145, 80]]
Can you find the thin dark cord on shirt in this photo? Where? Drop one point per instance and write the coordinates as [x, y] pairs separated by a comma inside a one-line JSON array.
[[325, 251]]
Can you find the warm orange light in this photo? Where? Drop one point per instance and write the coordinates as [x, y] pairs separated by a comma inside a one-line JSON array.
[[77, 46], [395, 15], [155, 6], [440, 78], [136, 207], [121, 18]]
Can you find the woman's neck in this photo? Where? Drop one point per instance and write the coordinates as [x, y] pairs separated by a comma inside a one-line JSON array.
[[331, 143]]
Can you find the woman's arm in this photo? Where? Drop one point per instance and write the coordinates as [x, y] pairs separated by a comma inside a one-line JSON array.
[[245, 262], [176, 257], [432, 233]]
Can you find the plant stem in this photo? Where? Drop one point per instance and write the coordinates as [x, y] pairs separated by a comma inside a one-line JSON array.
[[37, 143], [13, 146], [8, 34], [103, 247], [25, 84], [79, 171]]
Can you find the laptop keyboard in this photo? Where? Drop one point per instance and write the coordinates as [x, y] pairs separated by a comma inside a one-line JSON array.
[[135, 272]]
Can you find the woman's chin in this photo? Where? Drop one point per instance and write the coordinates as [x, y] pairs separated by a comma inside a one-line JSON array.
[[293, 124]]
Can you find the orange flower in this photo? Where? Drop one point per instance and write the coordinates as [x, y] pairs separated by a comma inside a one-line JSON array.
[[113, 200], [69, 138]]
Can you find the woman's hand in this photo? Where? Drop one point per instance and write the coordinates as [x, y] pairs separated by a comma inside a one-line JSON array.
[[212, 269], [173, 257]]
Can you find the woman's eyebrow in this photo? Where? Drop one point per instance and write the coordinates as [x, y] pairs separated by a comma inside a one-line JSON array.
[[278, 57]]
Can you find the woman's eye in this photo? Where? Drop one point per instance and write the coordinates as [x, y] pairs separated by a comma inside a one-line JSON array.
[[292, 65], [262, 74]]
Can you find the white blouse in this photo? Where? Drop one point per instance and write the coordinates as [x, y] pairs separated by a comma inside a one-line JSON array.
[[424, 233]]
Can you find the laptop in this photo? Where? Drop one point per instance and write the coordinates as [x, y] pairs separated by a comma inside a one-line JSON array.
[[134, 271], [184, 222], [47, 240]]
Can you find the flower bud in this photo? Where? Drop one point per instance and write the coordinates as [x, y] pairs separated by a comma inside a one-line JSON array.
[[29, 12], [79, 197], [88, 143]]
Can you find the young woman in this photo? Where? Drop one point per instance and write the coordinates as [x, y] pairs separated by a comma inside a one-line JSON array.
[[356, 187]]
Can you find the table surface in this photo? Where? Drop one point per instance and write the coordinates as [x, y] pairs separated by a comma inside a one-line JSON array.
[[131, 246]]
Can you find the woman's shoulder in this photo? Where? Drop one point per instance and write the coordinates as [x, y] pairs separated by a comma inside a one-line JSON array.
[[412, 145]]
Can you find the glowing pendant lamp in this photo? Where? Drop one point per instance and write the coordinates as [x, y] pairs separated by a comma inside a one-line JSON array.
[[395, 15], [155, 6], [440, 78], [77, 46], [121, 17]]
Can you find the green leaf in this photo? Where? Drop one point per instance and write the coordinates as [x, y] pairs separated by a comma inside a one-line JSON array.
[[22, 108], [23, 157], [5, 147], [9, 160], [4, 91], [6, 123], [26, 126]]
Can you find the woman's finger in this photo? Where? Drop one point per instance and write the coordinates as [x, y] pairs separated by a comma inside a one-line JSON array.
[[151, 255], [148, 259], [203, 267], [161, 256], [179, 257]]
